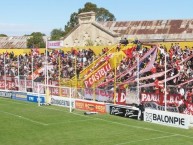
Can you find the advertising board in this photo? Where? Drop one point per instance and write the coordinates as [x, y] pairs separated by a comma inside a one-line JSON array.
[[167, 118], [123, 110], [34, 98], [62, 101], [5, 94], [19, 96], [90, 106]]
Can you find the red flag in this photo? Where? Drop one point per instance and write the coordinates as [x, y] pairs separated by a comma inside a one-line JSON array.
[[129, 52], [35, 51], [74, 51], [158, 84], [6, 54], [153, 70], [171, 53]]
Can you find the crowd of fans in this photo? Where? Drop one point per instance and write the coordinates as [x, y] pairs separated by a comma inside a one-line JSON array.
[[177, 65], [55, 59]]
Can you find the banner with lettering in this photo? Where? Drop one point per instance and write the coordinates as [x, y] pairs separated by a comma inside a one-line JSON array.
[[102, 95], [55, 44], [159, 98], [10, 85], [90, 106], [97, 75], [156, 106], [99, 95]]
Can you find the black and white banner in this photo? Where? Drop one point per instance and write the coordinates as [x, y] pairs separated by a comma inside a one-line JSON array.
[[156, 106]]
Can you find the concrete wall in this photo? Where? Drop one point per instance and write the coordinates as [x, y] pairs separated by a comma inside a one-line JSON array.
[[86, 34]]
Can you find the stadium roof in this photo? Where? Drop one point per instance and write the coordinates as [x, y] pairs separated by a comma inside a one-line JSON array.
[[155, 29]]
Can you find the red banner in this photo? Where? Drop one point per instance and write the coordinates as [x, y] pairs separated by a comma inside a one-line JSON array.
[[97, 75], [189, 109], [90, 106], [121, 97], [9, 85], [159, 98], [36, 73], [65, 92]]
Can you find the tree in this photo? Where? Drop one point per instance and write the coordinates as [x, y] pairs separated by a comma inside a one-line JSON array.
[[56, 34], [71, 24], [36, 40], [3, 35], [102, 14]]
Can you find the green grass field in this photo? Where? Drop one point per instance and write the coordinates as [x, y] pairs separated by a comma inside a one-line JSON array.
[[23, 123]]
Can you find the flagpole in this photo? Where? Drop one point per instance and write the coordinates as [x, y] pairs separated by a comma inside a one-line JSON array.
[[5, 74], [46, 64], [76, 80], [47, 60], [32, 69], [25, 83], [59, 63], [165, 96], [70, 100], [18, 72], [115, 79], [138, 77]]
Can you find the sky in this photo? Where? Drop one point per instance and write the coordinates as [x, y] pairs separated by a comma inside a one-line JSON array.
[[20, 17]]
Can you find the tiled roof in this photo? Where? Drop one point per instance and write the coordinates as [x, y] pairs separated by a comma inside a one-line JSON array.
[[14, 42], [163, 29]]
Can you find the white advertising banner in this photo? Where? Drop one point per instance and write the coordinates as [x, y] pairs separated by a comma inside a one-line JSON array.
[[62, 101], [167, 118], [55, 44]]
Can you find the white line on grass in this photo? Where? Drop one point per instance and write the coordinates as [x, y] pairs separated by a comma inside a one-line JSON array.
[[15, 101], [150, 129], [55, 123], [147, 139], [138, 127], [24, 118], [113, 122]]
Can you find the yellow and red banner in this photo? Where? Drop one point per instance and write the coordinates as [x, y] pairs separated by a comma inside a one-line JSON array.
[[90, 106], [97, 75]]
